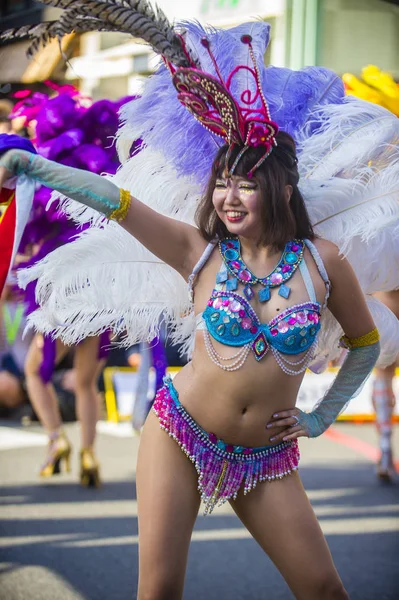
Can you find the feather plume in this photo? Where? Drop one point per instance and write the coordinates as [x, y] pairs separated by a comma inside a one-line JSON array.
[[136, 17], [349, 179], [328, 347], [141, 291], [164, 124]]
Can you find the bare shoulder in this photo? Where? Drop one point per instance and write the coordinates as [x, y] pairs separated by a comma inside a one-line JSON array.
[[328, 251], [332, 259]]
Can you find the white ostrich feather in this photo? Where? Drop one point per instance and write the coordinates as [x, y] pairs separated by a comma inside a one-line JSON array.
[[350, 181], [106, 278], [328, 347]]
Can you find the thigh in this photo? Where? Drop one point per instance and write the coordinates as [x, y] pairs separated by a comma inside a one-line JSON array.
[[168, 503], [86, 362], [279, 516], [34, 356]]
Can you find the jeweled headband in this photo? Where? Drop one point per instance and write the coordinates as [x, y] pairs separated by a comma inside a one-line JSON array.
[[245, 122]]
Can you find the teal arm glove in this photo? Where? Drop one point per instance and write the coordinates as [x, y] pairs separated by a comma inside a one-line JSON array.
[[357, 367], [87, 188]]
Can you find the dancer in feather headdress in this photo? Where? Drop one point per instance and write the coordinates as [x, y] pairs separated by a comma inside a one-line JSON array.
[[70, 130], [271, 296]]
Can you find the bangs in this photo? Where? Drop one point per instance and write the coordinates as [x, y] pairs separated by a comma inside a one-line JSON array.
[[247, 161]]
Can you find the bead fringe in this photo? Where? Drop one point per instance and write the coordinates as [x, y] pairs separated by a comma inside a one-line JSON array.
[[220, 473]]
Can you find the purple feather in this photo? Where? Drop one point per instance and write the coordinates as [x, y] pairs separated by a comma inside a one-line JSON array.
[[293, 97]]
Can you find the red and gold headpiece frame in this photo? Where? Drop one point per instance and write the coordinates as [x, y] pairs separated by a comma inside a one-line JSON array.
[[246, 123]]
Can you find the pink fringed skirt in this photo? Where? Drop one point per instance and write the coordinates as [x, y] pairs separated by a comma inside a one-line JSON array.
[[222, 468]]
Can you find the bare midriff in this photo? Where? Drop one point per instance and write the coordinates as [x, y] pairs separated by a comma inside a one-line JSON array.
[[236, 406]]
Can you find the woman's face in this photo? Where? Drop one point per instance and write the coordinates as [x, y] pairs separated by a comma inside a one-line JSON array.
[[237, 202]]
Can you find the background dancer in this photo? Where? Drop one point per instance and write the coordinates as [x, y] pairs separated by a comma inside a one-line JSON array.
[[71, 130], [384, 400], [379, 87]]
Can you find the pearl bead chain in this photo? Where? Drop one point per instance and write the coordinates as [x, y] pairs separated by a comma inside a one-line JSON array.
[[240, 357], [287, 370]]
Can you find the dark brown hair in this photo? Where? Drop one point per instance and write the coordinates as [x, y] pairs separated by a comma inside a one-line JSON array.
[[282, 221]]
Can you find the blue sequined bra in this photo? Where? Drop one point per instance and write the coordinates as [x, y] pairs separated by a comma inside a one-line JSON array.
[[230, 319]]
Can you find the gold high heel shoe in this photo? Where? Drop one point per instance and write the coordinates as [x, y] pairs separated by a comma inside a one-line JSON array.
[[58, 449], [89, 468]]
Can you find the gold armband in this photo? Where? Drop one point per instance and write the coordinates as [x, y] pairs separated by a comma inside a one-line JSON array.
[[120, 213], [364, 340]]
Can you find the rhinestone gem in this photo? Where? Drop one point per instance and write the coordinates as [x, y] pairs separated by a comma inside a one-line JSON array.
[[231, 285], [226, 319], [276, 278], [291, 258], [264, 294], [231, 254], [301, 317], [292, 320], [235, 329], [274, 332], [221, 277], [303, 342], [245, 275], [215, 317], [248, 292], [260, 346], [290, 340], [282, 327], [286, 269], [284, 291], [246, 323], [312, 331], [302, 332], [235, 306], [220, 329], [235, 264], [254, 329], [217, 303]]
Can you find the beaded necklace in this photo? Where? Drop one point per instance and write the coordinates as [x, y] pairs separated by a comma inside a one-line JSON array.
[[230, 249]]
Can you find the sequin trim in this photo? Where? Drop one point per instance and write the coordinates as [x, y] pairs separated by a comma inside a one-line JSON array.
[[120, 213], [364, 340]]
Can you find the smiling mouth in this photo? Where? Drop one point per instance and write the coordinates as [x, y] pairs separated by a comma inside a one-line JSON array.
[[235, 215]]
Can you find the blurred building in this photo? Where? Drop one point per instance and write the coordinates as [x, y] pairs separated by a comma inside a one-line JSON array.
[[343, 35]]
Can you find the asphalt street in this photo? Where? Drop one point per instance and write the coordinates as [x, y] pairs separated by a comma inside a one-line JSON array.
[[62, 542]]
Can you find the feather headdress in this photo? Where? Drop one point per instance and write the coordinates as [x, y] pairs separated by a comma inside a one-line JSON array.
[[337, 140]]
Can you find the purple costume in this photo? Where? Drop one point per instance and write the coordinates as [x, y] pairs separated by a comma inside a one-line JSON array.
[[70, 132]]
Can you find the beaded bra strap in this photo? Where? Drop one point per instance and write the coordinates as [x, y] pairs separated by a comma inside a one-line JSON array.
[[321, 268], [204, 258]]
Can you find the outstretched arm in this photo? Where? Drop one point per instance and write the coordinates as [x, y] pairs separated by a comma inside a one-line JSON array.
[[348, 305], [176, 243]]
